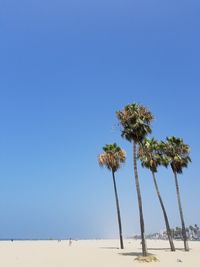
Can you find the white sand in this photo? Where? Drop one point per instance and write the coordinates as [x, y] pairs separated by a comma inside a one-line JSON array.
[[93, 253]]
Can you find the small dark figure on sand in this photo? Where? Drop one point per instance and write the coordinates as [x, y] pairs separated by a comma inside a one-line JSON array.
[[70, 242]]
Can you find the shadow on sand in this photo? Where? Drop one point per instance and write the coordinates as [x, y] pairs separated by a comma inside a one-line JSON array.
[[109, 248], [135, 254], [166, 249]]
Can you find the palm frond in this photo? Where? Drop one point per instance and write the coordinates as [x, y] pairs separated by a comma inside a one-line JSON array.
[[135, 120], [149, 155], [177, 153], [112, 157]]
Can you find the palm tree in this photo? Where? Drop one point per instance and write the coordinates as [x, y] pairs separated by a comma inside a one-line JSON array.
[[112, 158], [178, 157], [135, 120], [196, 228], [151, 158]]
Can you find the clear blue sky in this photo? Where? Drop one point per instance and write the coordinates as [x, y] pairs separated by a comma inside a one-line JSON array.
[[65, 68]]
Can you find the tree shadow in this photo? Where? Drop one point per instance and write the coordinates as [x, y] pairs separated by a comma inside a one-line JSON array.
[[166, 249], [109, 248], [135, 254]]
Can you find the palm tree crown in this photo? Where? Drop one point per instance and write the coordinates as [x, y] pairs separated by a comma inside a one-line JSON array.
[[149, 154], [177, 153], [112, 157], [135, 120]]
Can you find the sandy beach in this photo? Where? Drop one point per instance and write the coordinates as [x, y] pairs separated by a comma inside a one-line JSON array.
[[90, 253]]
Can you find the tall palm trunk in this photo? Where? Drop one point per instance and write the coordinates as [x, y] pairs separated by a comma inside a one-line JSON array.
[[181, 213], [169, 234], [118, 211], [144, 247]]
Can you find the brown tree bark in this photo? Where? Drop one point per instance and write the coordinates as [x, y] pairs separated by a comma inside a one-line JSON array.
[[144, 247], [118, 212], [169, 234], [186, 246]]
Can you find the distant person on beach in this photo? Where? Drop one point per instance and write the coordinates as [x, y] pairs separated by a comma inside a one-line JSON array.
[[70, 242]]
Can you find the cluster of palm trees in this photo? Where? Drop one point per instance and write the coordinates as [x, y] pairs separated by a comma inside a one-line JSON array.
[[135, 121], [192, 232]]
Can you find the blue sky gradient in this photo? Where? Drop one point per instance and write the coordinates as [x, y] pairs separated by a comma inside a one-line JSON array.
[[66, 67]]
